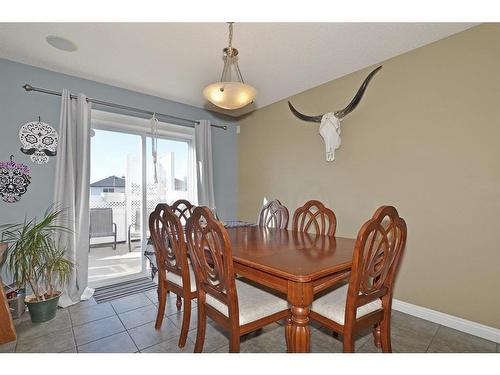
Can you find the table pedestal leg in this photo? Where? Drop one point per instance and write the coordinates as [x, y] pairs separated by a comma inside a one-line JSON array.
[[300, 334], [297, 329], [288, 334], [376, 336]]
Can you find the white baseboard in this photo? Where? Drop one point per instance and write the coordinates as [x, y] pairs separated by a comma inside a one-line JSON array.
[[467, 326]]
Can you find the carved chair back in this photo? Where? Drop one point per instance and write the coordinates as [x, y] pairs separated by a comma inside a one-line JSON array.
[[377, 253], [211, 255], [314, 216], [183, 209], [169, 243], [274, 215]]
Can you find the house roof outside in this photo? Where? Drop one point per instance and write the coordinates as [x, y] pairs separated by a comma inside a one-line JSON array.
[[111, 181]]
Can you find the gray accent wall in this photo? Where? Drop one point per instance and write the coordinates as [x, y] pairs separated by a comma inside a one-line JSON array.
[[18, 107]]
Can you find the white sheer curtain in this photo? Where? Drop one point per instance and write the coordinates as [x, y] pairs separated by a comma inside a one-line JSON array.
[[204, 164], [72, 192]]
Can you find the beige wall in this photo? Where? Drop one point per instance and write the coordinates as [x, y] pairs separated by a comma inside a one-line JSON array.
[[426, 139]]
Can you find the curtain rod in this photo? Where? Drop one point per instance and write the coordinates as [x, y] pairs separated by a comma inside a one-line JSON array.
[[28, 88]]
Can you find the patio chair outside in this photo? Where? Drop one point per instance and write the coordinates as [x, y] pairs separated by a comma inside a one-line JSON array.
[[134, 229], [102, 225]]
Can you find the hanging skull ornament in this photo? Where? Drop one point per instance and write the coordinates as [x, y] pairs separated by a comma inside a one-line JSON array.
[[39, 140], [330, 122], [14, 180]]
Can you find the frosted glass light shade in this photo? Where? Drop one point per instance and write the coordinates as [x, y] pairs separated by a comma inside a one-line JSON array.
[[230, 95]]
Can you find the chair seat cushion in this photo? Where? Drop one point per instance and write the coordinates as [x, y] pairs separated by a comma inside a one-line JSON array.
[[332, 305], [176, 279], [253, 303]]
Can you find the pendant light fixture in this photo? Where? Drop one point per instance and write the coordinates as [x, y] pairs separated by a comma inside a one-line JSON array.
[[231, 92]]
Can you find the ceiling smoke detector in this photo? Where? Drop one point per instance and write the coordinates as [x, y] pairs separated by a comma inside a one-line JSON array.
[[61, 43]]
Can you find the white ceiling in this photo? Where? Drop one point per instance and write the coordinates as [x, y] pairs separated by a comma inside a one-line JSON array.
[[177, 60]]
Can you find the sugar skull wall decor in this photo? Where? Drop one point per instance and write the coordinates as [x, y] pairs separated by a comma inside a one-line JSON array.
[[39, 140], [14, 180]]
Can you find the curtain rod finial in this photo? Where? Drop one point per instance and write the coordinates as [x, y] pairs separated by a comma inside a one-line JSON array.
[[27, 87]]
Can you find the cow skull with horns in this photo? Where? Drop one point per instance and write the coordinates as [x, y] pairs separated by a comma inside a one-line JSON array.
[[330, 122]]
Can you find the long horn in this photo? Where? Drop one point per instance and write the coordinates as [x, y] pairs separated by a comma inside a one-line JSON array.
[[304, 117], [357, 98]]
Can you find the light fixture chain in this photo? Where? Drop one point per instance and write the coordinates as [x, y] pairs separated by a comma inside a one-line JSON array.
[[230, 35]]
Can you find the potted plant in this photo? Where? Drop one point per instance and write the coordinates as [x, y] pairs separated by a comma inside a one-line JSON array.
[[34, 259]]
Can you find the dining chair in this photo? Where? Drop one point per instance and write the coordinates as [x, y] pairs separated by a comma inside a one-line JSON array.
[[273, 215], [367, 299], [238, 307], [174, 271], [314, 215], [183, 209]]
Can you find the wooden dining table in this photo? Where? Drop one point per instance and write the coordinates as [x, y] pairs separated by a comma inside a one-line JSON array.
[[298, 265]]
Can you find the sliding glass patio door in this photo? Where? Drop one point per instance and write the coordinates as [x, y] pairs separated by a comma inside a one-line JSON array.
[[115, 206], [123, 182]]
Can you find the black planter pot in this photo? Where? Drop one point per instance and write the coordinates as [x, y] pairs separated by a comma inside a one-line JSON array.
[[42, 311]]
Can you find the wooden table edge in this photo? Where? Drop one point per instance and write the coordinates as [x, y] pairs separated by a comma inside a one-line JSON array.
[[292, 277]]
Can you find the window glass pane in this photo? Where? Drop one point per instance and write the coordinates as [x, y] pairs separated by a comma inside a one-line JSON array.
[[173, 172]]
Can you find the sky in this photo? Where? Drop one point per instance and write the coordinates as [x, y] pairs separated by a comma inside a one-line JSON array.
[[109, 152]]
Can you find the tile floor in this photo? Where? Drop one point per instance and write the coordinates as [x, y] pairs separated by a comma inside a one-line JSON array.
[[127, 325]]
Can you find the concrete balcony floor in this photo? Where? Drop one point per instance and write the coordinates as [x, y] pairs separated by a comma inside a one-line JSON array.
[[106, 264]]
